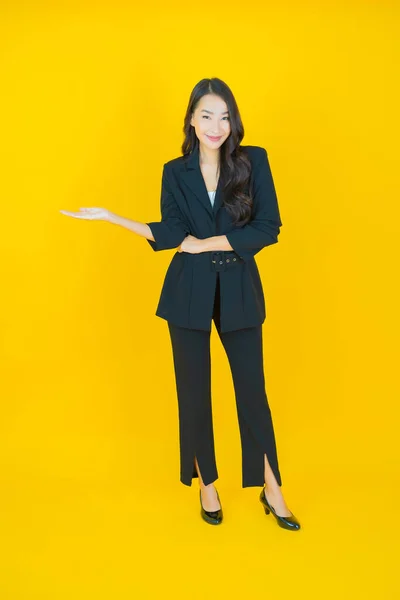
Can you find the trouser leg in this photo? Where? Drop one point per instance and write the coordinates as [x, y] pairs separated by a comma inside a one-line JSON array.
[[244, 350], [192, 364]]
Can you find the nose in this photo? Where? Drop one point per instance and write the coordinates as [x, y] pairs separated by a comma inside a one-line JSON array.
[[217, 131]]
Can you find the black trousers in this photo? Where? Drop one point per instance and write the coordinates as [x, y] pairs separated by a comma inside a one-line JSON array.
[[192, 364]]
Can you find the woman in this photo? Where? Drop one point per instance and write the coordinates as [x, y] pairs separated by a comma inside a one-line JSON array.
[[219, 209]]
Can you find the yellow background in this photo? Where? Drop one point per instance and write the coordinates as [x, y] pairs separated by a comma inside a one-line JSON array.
[[92, 104]]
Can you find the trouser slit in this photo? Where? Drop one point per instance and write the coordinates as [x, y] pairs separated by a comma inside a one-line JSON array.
[[245, 354], [192, 363]]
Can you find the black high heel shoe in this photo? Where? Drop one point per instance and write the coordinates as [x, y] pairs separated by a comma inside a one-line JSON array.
[[285, 522], [214, 517]]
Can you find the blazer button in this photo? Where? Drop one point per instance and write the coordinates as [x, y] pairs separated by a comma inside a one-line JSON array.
[[227, 260], [213, 261], [220, 262], [234, 259]]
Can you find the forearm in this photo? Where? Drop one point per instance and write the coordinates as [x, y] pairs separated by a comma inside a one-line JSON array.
[[141, 229], [216, 242]]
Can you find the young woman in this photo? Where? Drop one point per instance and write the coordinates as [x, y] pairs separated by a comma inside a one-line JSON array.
[[219, 209]]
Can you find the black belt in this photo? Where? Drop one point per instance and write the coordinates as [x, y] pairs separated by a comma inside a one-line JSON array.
[[224, 259]]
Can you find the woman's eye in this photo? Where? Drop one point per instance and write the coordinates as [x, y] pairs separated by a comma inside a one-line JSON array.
[[207, 117]]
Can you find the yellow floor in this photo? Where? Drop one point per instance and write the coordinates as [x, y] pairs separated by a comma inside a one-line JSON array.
[[108, 539]]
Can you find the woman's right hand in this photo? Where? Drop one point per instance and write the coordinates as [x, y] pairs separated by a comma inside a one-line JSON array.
[[92, 214]]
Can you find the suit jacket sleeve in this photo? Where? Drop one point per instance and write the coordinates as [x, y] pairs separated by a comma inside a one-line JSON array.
[[172, 229], [263, 229]]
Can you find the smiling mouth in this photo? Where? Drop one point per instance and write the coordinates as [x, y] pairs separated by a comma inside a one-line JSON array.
[[214, 138]]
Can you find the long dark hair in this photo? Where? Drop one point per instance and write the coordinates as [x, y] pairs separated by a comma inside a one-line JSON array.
[[235, 166]]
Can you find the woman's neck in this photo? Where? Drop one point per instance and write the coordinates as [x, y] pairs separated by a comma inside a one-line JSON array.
[[209, 157]]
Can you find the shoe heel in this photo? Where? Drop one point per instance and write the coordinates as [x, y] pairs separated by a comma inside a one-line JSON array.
[[263, 502]]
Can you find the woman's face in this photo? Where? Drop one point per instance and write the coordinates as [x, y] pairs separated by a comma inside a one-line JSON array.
[[211, 120]]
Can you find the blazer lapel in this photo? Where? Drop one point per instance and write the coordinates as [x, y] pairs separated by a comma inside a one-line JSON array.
[[194, 179]]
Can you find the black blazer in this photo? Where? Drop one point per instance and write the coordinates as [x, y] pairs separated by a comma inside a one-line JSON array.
[[187, 295]]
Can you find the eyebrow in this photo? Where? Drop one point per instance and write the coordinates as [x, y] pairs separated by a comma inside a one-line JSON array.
[[211, 112]]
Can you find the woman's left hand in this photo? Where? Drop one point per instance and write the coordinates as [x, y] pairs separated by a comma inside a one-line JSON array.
[[192, 245]]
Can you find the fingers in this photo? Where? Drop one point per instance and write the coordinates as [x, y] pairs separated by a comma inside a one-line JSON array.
[[75, 215], [83, 215]]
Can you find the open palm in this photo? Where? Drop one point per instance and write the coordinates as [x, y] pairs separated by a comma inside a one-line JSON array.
[[92, 214]]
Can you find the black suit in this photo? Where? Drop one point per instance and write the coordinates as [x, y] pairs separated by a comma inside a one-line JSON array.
[[223, 286], [188, 292]]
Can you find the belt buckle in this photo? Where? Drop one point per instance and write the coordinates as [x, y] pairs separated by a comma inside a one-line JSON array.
[[218, 261]]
